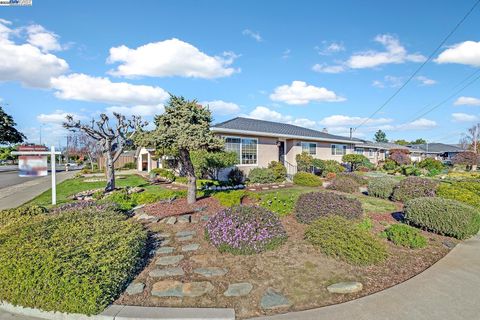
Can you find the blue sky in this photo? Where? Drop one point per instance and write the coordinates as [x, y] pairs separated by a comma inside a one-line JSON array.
[[321, 64]]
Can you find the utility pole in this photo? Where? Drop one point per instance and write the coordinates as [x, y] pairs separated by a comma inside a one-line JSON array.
[[351, 132]]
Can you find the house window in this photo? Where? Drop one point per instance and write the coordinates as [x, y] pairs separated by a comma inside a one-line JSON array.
[[245, 148], [309, 147], [370, 152], [359, 150], [339, 149]]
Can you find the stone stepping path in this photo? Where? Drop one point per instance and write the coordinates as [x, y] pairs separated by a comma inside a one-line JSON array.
[[273, 299], [190, 247], [169, 260], [167, 272], [164, 250], [135, 288], [238, 289], [211, 272], [173, 288]]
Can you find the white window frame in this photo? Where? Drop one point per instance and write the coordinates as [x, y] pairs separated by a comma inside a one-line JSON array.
[[241, 149], [371, 153], [344, 148], [359, 150], [309, 143]]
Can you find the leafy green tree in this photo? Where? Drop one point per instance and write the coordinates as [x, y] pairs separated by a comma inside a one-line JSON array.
[[401, 142], [380, 136], [304, 161], [6, 152], [181, 129], [8, 133], [419, 141], [354, 160], [209, 164]]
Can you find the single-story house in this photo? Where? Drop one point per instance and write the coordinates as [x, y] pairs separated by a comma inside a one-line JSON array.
[[438, 151], [126, 157], [146, 159], [258, 142]]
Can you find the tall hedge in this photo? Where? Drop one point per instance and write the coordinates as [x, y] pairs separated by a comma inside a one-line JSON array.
[[443, 216], [73, 261]]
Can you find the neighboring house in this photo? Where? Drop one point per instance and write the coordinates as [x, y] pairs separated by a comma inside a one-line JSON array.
[[438, 151], [146, 159], [125, 157], [258, 142]]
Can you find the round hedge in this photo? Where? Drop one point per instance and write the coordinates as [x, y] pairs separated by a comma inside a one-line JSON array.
[[381, 187], [341, 238], [344, 183], [307, 179], [245, 230], [414, 187], [443, 216], [360, 180], [77, 261], [314, 205], [406, 236]]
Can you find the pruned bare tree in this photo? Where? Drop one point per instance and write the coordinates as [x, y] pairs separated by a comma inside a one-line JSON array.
[[471, 139], [112, 139], [92, 148]]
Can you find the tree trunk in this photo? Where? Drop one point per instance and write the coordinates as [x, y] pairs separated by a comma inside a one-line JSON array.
[[110, 171], [190, 173]]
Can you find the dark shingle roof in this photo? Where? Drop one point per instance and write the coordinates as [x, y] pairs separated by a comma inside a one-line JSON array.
[[254, 125], [382, 145], [436, 147]]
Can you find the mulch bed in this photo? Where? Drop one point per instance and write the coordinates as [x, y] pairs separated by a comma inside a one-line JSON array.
[[180, 207]]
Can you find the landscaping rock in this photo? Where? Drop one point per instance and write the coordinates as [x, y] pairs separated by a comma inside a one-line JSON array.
[[164, 250], [135, 288], [345, 287], [274, 300], [184, 219], [167, 272], [196, 289], [190, 247], [164, 242], [169, 260], [210, 271], [167, 288], [205, 218], [171, 220], [185, 233], [135, 190], [146, 217], [163, 235], [238, 289], [200, 209], [448, 244], [187, 238], [138, 207]]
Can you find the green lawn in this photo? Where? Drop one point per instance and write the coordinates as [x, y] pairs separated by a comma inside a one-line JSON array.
[[72, 186], [376, 205]]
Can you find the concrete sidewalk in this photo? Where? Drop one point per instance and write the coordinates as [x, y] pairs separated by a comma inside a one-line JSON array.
[[450, 289], [14, 196]]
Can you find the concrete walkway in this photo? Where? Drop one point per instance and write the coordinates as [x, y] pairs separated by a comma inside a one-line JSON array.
[[450, 289], [14, 196]]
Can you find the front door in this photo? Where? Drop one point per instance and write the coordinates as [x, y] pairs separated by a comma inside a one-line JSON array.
[[281, 152]]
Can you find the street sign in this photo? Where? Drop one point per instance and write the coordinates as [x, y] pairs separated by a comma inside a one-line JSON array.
[[32, 165]]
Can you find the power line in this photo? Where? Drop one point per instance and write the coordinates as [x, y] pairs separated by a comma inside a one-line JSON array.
[[420, 67]]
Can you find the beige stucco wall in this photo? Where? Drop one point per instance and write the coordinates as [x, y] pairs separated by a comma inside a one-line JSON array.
[[323, 150]]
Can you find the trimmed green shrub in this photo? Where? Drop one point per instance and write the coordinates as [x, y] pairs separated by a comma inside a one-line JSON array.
[[360, 180], [389, 165], [314, 205], [355, 160], [456, 192], [307, 179], [381, 187], [245, 230], [443, 216], [208, 164], [339, 237], [74, 261], [414, 187], [278, 170], [406, 236], [409, 170], [431, 164], [236, 176], [344, 184], [8, 216], [327, 167], [164, 173], [230, 198], [304, 161], [366, 224], [261, 175]]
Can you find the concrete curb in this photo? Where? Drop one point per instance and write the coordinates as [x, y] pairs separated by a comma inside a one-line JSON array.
[[121, 312]]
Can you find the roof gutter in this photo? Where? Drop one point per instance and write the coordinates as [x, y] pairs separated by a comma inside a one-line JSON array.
[[276, 135]]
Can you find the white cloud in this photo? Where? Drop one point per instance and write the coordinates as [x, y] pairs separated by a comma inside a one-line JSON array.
[[264, 113], [138, 110], [463, 117], [328, 69], [299, 92], [329, 48], [395, 53], [221, 107], [426, 81], [348, 121], [467, 101], [253, 34], [58, 117], [82, 87], [171, 57], [39, 37], [388, 81], [25, 62], [420, 124], [467, 52]]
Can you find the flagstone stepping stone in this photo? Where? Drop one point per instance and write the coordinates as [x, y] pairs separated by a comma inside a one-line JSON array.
[[345, 287], [171, 220], [274, 300], [135, 288], [185, 233], [186, 238], [165, 250], [210, 271], [163, 235], [183, 219], [172, 288], [167, 272], [205, 218], [275, 187], [193, 219], [238, 289], [252, 189], [168, 260], [190, 247], [164, 242]]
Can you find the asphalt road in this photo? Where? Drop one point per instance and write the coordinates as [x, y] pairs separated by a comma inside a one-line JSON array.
[[11, 178]]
